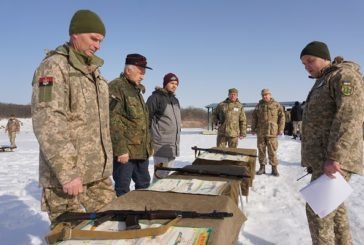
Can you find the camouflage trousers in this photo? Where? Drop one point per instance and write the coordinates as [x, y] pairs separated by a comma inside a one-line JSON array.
[[297, 127], [95, 195], [331, 229], [12, 136], [225, 141], [270, 143]]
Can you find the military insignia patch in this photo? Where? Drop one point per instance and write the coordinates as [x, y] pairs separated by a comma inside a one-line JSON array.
[[45, 81], [45, 85], [346, 88]]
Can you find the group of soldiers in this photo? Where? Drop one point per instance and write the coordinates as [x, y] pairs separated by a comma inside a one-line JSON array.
[[268, 120], [89, 130]]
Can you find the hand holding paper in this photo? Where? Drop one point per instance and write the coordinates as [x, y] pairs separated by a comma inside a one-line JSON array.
[[325, 194]]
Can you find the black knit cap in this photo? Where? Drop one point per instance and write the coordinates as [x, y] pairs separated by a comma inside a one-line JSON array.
[[169, 78], [137, 60], [317, 49], [86, 21]]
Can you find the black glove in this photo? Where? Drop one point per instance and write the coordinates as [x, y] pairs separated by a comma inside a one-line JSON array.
[[309, 170]]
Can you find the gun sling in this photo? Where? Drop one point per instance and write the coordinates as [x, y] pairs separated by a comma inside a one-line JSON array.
[[63, 232]]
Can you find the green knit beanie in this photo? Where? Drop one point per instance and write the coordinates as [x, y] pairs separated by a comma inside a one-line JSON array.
[[317, 49], [86, 21]]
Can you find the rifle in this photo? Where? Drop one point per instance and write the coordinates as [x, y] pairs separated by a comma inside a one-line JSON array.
[[211, 150], [62, 231], [211, 170], [308, 170], [132, 217]]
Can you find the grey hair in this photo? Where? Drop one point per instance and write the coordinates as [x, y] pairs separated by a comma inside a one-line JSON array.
[[128, 66]]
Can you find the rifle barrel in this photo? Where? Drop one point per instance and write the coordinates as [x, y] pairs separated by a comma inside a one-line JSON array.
[[121, 215]]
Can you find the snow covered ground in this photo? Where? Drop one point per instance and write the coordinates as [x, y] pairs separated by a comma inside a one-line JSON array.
[[275, 208]]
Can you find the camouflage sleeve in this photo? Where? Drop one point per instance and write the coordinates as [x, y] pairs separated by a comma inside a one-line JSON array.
[[346, 128], [49, 110], [254, 119], [281, 119], [17, 125], [215, 115], [117, 125], [242, 122]]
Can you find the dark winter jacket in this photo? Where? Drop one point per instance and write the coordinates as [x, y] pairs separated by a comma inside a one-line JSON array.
[[296, 113], [165, 122]]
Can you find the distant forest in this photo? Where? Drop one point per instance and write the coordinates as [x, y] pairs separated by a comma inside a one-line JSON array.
[[192, 117], [20, 111]]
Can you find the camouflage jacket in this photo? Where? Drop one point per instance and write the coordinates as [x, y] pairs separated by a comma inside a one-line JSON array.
[[71, 119], [333, 119], [268, 119], [230, 116], [13, 125], [129, 120]]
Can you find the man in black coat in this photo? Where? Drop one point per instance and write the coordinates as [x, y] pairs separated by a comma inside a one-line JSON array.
[[296, 117]]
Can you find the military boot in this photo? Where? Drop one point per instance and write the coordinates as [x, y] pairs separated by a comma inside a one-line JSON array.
[[275, 171], [261, 170]]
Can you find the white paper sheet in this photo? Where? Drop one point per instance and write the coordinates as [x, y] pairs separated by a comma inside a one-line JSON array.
[[191, 186], [325, 194]]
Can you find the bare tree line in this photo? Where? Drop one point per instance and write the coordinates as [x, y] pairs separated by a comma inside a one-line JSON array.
[[20, 111], [24, 111], [188, 114]]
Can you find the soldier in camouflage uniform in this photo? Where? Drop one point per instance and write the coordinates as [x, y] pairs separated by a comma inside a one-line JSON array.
[[12, 127], [129, 123], [229, 117], [71, 122], [332, 132], [268, 122]]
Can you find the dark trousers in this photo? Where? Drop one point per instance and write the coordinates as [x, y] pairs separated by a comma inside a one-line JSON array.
[[136, 170]]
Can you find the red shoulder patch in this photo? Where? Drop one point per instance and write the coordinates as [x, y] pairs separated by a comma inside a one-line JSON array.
[[45, 81]]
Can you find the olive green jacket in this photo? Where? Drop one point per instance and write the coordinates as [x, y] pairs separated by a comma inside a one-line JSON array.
[[129, 120]]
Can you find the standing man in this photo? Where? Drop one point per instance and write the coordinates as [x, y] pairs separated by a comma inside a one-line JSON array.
[[165, 122], [12, 127], [71, 122], [332, 133], [129, 119], [268, 122], [296, 117], [229, 117]]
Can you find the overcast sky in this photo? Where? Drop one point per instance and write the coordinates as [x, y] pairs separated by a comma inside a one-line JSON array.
[[211, 45]]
